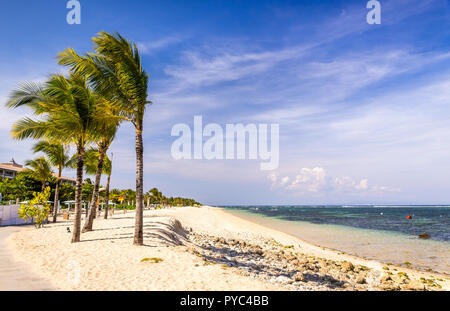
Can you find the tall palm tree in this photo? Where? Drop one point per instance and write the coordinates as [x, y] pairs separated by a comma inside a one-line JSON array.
[[39, 169], [116, 70], [57, 155], [69, 112]]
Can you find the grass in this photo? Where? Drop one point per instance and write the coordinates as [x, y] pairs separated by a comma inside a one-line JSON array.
[[152, 260]]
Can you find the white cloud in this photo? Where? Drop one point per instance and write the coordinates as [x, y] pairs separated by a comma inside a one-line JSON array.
[[308, 180], [316, 180], [346, 183], [284, 180]]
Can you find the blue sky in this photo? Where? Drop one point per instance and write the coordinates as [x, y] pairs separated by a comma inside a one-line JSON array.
[[363, 109]]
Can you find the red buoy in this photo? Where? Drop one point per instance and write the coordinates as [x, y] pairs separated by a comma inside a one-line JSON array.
[[409, 217]]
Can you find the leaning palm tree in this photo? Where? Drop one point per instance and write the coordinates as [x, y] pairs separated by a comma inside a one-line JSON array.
[[57, 155], [98, 157], [69, 112], [116, 70], [91, 165], [39, 169]]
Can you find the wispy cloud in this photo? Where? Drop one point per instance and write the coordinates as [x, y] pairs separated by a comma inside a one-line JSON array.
[[149, 47]]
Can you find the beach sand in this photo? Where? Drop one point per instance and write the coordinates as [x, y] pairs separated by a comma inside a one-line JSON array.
[[203, 248]]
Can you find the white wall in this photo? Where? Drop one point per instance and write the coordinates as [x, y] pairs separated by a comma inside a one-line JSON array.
[[8, 216]]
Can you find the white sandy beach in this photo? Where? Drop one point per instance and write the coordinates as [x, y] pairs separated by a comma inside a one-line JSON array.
[[180, 251]]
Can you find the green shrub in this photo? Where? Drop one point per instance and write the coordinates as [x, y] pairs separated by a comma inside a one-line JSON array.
[[37, 208]]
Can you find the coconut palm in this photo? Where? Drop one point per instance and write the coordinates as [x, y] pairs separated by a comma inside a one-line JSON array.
[[95, 166], [39, 169], [70, 112], [116, 70], [57, 155], [91, 165]]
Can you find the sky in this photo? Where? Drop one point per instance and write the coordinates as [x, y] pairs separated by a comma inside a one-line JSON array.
[[363, 109]]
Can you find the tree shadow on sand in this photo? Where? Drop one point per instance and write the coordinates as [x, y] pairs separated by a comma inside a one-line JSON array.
[[155, 234]]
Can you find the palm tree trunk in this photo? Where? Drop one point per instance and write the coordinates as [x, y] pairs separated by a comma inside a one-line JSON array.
[[98, 176], [55, 204], [139, 224], [78, 189], [107, 196]]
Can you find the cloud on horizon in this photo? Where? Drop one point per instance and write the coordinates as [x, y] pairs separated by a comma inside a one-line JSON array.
[[317, 181]]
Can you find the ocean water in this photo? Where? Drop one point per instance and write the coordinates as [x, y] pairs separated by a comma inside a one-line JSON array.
[[373, 232], [435, 220]]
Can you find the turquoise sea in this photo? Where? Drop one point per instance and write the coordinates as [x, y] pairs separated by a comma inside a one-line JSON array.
[[379, 232]]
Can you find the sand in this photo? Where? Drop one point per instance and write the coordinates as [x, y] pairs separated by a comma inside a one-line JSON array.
[[105, 259]]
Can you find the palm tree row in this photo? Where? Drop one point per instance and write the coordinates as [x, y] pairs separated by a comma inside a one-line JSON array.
[[86, 108], [115, 71]]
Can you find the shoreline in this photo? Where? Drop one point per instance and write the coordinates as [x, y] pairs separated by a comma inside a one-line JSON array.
[[201, 248], [336, 253], [395, 252]]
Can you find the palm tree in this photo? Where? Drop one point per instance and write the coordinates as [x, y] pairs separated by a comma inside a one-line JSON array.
[[116, 70], [40, 170], [95, 166], [107, 169], [57, 155], [69, 112]]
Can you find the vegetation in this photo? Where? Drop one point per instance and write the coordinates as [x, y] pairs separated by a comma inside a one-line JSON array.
[[23, 187], [37, 209], [95, 162], [115, 71], [57, 155], [84, 109], [87, 189], [69, 112], [39, 169]]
